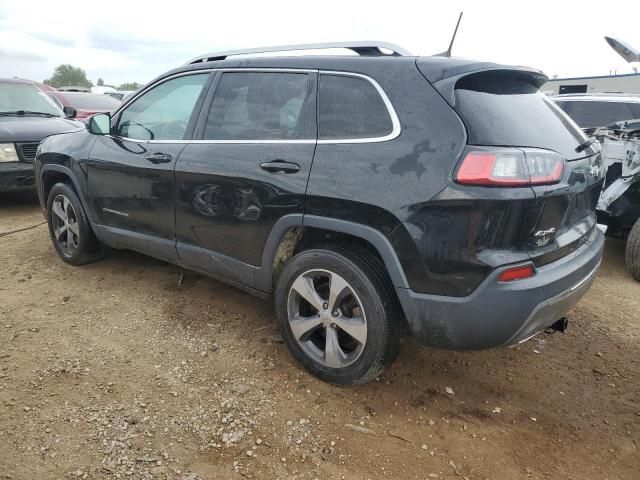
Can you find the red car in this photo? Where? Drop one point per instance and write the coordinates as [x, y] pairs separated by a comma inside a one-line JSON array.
[[86, 104]]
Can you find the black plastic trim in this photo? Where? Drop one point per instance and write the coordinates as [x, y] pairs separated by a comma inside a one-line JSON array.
[[151, 245], [264, 274], [49, 167], [216, 264], [377, 239]]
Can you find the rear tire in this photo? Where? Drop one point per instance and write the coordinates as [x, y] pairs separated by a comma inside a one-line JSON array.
[[345, 327], [69, 227], [632, 255]]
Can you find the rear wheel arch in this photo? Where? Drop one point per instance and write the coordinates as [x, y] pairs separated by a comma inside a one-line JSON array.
[[296, 235]]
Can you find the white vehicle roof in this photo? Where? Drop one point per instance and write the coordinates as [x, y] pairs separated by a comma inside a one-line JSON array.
[[102, 89], [598, 97]]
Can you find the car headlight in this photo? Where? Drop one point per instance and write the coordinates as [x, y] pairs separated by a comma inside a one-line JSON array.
[[8, 153]]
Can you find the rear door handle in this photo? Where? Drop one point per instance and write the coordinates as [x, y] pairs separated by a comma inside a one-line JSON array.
[[280, 166], [159, 158]]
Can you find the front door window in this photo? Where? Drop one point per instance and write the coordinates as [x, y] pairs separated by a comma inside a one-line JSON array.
[[163, 112]]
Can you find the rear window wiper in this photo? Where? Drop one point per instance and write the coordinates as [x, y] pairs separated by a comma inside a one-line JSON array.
[[26, 112], [586, 144]]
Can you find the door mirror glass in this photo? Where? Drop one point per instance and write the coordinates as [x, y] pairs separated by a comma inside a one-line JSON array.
[[69, 112], [100, 124]]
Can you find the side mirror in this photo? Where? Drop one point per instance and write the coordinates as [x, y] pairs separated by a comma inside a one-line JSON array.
[[99, 124], [69, 112]]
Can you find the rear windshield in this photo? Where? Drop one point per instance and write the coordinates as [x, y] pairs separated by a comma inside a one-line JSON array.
[[500, 109], [590, 114], [91, 101]]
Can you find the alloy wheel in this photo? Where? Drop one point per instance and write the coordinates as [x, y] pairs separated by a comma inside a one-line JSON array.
[[326, 318], [64, 222]]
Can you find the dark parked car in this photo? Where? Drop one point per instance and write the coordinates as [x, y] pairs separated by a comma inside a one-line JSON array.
[[27, 115], [85, 104], [371, 196]]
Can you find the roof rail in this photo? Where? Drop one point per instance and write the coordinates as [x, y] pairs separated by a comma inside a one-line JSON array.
[[364, 48]]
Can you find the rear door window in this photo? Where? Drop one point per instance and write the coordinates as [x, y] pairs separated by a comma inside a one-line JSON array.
[[351, 108], [506, 109], [260, 106]]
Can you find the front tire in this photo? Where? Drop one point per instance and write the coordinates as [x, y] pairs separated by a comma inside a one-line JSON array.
[[632, 254], [69, 227], [338, 315]]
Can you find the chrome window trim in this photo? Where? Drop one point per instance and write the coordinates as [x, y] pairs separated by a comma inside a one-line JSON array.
[[242, 142], [395, 121]]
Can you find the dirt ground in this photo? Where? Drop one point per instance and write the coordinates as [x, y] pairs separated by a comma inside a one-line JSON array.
[[113, 370]]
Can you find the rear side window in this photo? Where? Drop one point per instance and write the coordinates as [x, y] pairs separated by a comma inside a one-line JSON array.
[[258, 106], [351, 107], [506, 109], [589, 114]]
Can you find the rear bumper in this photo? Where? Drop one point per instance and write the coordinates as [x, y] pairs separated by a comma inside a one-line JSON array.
[[16, 176], [498, 313]]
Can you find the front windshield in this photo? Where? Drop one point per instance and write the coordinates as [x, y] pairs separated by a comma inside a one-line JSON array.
[[23, 96]]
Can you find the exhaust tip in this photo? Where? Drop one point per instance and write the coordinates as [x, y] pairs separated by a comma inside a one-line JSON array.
[[560, 325]]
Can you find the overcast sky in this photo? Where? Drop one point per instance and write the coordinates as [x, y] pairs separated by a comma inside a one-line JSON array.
[[137, 40]]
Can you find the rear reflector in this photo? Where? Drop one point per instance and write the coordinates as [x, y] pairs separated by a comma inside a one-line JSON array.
[[510, 168], [517, 273]]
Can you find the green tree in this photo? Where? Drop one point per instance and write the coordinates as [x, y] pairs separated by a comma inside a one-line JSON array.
[[129, 86], [65, 75], [100, 82]]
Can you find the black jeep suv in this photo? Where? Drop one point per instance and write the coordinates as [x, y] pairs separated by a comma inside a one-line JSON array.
[[371, 196]]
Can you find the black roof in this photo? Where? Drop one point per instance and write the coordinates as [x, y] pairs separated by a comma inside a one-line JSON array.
[[440, 68], [434, 68], [337, 62]]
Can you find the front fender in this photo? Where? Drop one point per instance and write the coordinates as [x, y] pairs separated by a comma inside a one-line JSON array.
[[64, 156]]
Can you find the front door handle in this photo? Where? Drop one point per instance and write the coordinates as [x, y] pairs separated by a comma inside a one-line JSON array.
[[159, 158], [280, 166]]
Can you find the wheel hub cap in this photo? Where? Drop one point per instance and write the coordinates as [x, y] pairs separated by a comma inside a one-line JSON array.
[[326, 318], [65, 225]]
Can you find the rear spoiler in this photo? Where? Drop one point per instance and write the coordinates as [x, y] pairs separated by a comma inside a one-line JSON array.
[[444, 75]]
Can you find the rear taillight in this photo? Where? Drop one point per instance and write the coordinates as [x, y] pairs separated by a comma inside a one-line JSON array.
[[510, 168]]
